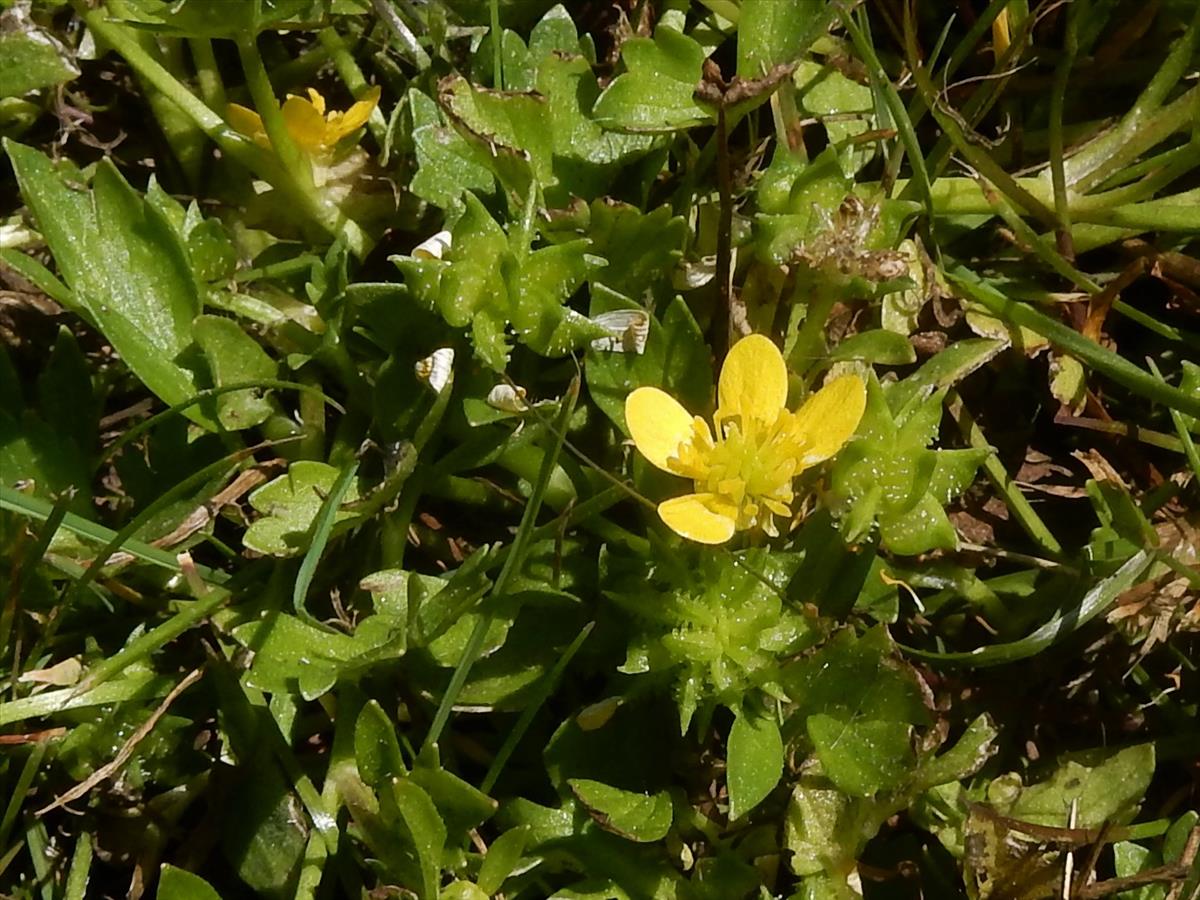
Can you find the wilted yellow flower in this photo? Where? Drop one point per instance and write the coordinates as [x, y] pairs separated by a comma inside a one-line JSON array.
[[314, 130], [744, 475]]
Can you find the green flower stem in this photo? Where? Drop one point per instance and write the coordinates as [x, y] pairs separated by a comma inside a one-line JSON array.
[[919, 106], [1181, 428], [1071, 341], [299, 71], [208, 73], [810, 339], [1040, 247], [184, 137], [981, 160], [908, 134], [512, 564], [1030, 522], [81, 864], [1043, 249], [1178, 212], [139, 649], [348, 70], [262, 94], [1156, 163], [1058, 94], [231, 143], [1146, 124], [1177, 115], [497, 45], [386, 10], [296, 177]]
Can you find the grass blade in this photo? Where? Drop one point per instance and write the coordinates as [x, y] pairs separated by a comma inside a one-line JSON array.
[[512, 563]]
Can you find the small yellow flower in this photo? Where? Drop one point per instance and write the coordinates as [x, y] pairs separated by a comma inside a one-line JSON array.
[[744, 475], [314, 130]]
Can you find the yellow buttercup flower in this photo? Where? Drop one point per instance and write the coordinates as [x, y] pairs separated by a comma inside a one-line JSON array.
[[313, 129], [743, 475]]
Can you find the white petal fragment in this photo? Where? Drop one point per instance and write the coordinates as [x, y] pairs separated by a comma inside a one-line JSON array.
[[629, 328], [435, 369], [435, 247], [508, 398]]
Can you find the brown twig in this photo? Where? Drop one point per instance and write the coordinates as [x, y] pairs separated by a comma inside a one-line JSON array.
[[32, 737], [111, 768]]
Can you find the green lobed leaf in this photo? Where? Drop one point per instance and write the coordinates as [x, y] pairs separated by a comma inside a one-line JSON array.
[[234, 357], [754, 762], [424, 830], [844, 107], [888, 476], [858, 706], [814, 829], [588, 158], [676, 359], [31, 58], [776, 31], [179, 884], [287, 650], [509, 133], [461, 805], [124, 264], [289, 505], [641, 248], [486, 284], [446, 164], [636, 816], [221, 19], [1101, 785], [503, 857], [376, 749], [654, 94], [968, 755], [862, 757]]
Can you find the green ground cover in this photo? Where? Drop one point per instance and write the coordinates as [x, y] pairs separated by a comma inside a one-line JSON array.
[[636, 450]]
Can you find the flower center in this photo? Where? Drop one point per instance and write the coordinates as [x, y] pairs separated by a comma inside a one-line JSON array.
[[751, 464]]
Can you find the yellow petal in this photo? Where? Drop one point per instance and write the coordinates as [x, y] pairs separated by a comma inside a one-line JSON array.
[[304, 124], [829, 417], [753, 381], [657, 424], [248, 122], [704, 518], [342, 124]]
